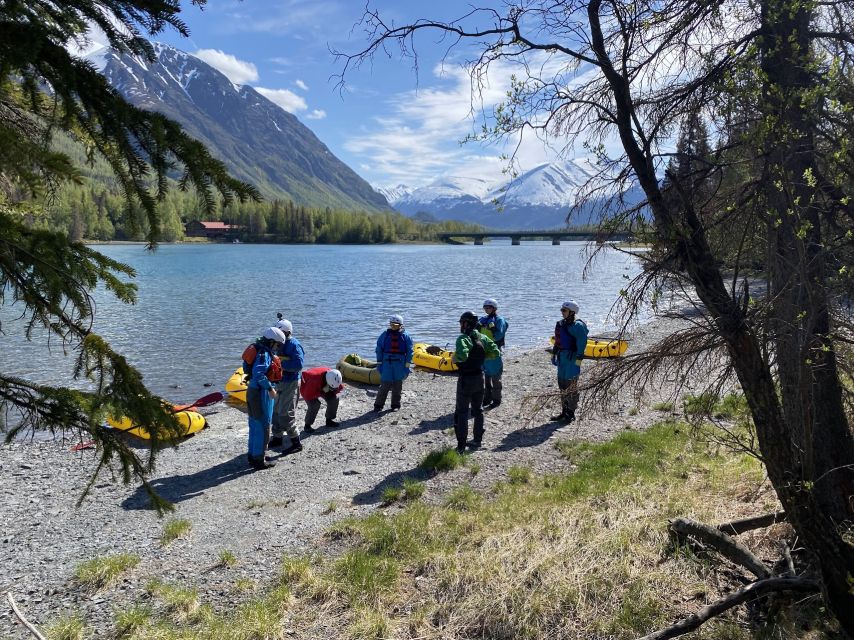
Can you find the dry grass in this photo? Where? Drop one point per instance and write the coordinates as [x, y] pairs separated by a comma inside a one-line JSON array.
[[104, 571]]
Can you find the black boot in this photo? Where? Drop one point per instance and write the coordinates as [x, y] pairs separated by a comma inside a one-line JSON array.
[[309, 429], [557, 417], [275, 441], [261, 463], [296, 447], [331, 424]]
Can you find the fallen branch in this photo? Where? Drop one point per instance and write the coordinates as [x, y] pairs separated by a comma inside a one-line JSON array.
[[749, 524], [21, 617], [723, 544], [751, 591]]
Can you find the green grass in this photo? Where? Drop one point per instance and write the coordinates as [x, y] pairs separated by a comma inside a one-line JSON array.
[[181, 603], [104, 571], [412, 489], [132, 620], [226, 558], [331, 507], [463, 498], [67, 628], [519, 475], [442, 460], [663, 406], [474, 469], [364, 576], [174, 529], [391, 495]]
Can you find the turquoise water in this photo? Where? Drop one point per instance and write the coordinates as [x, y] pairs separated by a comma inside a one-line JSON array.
[[199, 305]]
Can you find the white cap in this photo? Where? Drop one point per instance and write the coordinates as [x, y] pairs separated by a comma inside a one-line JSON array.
[[333, 378], [273, 333], [490, 302], [572, 305], [285, 326], [396, 318]]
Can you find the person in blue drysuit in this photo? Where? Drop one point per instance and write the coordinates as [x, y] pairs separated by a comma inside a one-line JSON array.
[[260, 395], [292, 357], [496, 327], [394, 356], [570, 342]]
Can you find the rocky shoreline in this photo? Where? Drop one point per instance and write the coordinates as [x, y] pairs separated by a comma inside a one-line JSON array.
[[259, 516]]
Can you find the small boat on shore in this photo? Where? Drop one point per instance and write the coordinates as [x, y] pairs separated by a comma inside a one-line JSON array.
[[602, 347], [355, 368], [236, 385], [191, 421], [432, 357]]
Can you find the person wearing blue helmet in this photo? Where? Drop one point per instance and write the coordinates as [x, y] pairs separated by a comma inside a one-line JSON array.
[[292, 356], [495, 327], [570, 342], [394, 356]]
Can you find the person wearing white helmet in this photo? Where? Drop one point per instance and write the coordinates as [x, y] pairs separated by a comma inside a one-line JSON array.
[[292, 356], [264, 370], [394, 357], [492, 326], [570, 342], [317, 383]]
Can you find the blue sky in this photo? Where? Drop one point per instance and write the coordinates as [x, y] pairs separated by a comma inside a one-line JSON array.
[[389, 125]]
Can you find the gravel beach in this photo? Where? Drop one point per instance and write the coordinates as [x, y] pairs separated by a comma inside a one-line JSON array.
[[263, 514]]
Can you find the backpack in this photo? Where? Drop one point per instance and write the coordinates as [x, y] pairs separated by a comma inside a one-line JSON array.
[[274, 371]]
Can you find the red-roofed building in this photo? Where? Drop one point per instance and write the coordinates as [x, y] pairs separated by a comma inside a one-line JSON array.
[[210, 229]]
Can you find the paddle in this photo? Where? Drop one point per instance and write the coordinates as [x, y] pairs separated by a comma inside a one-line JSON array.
[[204, 401]]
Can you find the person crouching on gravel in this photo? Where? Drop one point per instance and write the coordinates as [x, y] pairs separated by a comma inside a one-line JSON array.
[[264, 370], [570, 342], [292, 357], [472, 349], [317, 383], [394, 356]]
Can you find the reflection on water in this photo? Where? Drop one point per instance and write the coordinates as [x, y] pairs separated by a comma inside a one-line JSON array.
[[199, 305]]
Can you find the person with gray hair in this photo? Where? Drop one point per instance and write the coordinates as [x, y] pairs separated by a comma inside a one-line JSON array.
[[570, 342]]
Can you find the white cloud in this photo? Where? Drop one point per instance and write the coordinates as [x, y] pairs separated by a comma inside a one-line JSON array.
[[236, 70], [302, 85], [316, 114], [286, 99]]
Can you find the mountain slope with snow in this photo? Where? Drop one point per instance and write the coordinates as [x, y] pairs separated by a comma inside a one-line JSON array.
[[259, 142]]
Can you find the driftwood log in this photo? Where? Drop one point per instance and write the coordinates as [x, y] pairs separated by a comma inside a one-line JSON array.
[[749, 524], [21, 617], [726, 545]]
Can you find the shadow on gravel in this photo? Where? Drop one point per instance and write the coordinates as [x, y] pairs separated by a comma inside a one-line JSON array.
[[374, 496], [179, 488], [529, 437], [444, 422]]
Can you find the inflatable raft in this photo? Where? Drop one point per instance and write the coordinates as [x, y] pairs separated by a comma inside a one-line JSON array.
[[599, 348], [190, 420], [432, 357], [358, 369], [236, 385]]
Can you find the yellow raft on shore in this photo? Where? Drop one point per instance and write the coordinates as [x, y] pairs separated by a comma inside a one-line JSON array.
[[191, 421], [355, 368], [432, 357], [599, 348], [236, 385]]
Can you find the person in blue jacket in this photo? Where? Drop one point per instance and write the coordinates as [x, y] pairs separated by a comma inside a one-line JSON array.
[[394, 356], [496, 328], [292, 356], [260, 395], [570, 342]]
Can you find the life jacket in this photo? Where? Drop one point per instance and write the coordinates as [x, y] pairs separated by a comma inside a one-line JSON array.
[[477, 355], [488, 322], [393, 343], [250, 353], [564, 340]]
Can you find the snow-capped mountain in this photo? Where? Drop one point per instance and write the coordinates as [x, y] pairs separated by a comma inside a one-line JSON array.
[[260, 142], [537, 199]]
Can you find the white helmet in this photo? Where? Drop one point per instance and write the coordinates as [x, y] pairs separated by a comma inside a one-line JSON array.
[[333, 378], [285, 326], [395, 318], [572, 305], [491, 302], [273, 333]]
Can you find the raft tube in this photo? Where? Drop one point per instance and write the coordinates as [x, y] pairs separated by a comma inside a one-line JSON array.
[[191, 421], [432, 357], [598, 348], [236, 385], [358, 369]]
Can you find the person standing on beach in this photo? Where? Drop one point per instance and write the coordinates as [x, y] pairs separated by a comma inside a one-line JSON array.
[[317, 383], [292, 357], [264, 371], [495, 327], [570, 342], [472, 350], [394, 356]]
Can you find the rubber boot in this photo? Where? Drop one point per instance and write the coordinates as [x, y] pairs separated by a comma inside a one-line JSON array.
[[275, 441], [259, 464], [296, 447]]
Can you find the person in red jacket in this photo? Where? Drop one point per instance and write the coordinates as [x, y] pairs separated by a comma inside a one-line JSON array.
[[317, 383]]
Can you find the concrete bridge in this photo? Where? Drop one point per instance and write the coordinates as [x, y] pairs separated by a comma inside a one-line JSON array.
[[556, 236]]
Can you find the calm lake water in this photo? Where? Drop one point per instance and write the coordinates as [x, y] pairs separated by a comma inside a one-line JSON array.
[[200, 305]]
